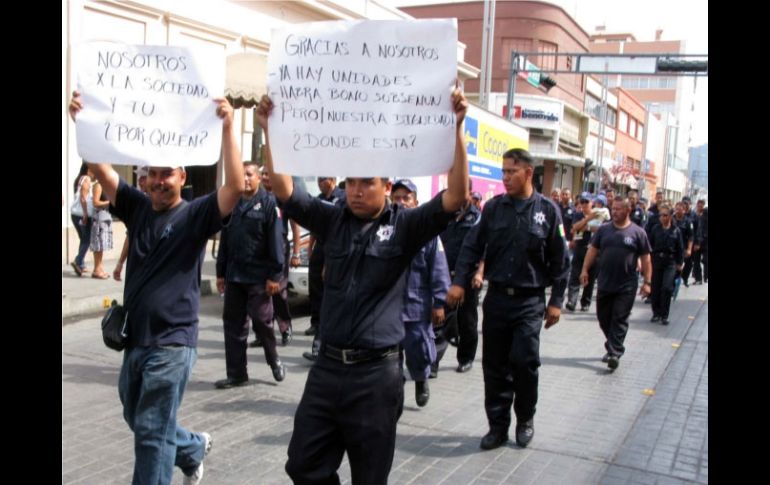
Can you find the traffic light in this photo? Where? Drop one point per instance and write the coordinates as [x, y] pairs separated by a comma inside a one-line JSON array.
[[547, 82], [677, 65], [588, 165]]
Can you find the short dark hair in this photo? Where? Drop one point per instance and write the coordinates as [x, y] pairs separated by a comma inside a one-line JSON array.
[[625, 201], [519, 155], [249, 163]]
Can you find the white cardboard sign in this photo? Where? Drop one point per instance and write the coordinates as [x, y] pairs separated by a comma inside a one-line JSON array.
[[148, 105], [363, 98]]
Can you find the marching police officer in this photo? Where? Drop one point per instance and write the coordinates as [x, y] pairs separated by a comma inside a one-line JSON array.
[[667, 258], [249, 269], [468, 313], [638, 215], [525, 252], [354, 392]]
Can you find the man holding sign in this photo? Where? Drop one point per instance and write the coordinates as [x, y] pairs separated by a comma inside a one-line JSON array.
[[354, 393], [162, 293]]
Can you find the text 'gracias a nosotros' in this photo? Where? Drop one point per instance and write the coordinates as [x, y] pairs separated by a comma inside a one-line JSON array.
[[296, 45]]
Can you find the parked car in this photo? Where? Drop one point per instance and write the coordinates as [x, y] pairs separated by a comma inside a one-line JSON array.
[[299, 283]]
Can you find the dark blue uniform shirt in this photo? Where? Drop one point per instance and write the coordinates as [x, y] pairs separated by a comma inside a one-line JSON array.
[[163, 271], [452, 238], [638, 217], [667, 243], [525, 246], [566, 218], [251, 249], [620, 250], [427, 282], [364, 278]]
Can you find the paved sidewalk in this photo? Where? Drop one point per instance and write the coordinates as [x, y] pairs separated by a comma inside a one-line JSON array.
[[592, 426]]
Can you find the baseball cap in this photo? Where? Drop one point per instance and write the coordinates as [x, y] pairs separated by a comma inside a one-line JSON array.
[[475, 195], [407, 184], [601, 198], [586, 196]]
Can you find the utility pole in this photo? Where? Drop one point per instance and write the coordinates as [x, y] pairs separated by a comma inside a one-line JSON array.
[[487, 44]]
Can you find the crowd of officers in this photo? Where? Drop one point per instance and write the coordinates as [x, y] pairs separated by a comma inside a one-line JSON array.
[[521, 243], [393, 283]]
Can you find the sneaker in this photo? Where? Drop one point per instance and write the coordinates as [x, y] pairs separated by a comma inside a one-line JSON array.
[[286, 337], [570, 307], [197, 475]]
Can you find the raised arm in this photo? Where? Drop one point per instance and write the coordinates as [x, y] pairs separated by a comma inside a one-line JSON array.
[[283, 186], [230, 192], [457, 180]]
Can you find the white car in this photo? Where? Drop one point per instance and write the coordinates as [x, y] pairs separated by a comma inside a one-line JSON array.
[[299, 281]]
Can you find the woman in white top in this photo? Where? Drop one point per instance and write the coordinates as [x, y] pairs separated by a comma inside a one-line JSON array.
[[81, 211]]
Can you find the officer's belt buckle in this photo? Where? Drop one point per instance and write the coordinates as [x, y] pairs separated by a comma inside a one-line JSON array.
[[345, 357]]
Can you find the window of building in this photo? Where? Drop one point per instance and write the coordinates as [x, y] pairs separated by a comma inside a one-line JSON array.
[[632, 128], [640, 132], [547, 63], [513, 44], [612, 116], [623, 122]]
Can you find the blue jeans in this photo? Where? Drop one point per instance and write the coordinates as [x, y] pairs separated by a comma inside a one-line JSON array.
[[84, 234], [151, 385]]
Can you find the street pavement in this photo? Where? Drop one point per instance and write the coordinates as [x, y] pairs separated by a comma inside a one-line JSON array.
[[645, 423]]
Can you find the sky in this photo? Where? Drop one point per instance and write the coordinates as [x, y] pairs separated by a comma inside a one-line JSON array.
[[680, 20]]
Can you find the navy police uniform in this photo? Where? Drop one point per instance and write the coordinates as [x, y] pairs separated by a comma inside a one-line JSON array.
[[316, 264], [354, 392], [581, 239], [638, 217], [468, 314], [251, 252], [525, 252], [667, 254]]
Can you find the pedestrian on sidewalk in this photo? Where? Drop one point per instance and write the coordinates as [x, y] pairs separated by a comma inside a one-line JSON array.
[[101, 231], [521, 239], [622, 245], [168, 236], [249, 269], [81, 212]]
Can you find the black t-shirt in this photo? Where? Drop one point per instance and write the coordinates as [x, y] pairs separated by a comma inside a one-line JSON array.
[[620, 250], [163, 271]]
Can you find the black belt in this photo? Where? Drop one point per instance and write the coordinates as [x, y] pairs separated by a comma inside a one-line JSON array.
[[355, 356], [514, 291]]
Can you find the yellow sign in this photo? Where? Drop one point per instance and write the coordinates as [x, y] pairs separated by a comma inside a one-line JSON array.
[[493, 143]]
